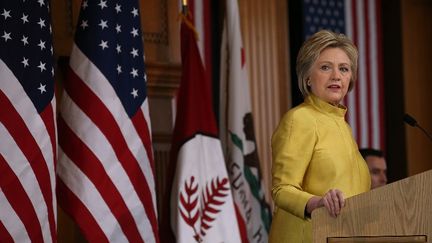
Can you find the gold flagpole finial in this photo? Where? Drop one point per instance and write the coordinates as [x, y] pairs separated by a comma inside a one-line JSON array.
[[184, 7]]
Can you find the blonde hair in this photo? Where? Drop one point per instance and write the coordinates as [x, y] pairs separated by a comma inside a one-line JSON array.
[[312, 48]]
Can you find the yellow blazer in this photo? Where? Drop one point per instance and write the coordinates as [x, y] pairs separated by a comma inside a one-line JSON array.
[[313, 151]]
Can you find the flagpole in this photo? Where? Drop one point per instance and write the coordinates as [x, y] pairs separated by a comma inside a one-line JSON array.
[[184, 7]]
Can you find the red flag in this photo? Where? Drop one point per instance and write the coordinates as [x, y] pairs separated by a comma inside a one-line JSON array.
[[202, 207], [27, 128], [106, 170]]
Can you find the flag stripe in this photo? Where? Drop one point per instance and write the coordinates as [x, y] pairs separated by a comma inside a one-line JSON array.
[[90, 199], [46, 116], [350, 97], [16, 96], [75, 206], [374, 67], [368, 85], [355, 32], [366, 113], [143, 132], [36, 210], [105, 150], [27, 118], [5, 237], [91, 167], [19, 201], [104, 94], [380, 75], [98, 152], [27, 143], [361, 43], [14, 228], [105, 121]]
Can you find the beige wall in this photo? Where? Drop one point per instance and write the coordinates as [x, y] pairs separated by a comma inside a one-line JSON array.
[[265, 35]]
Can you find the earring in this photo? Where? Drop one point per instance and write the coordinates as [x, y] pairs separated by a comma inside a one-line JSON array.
[[308, 82]]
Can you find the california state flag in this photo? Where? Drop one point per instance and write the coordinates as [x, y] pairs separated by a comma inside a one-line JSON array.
[[238, 131], [202, 207]]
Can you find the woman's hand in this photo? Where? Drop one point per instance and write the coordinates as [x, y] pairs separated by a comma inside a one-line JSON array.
[[333, 200]]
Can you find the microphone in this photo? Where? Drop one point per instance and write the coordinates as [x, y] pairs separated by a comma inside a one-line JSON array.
[[412, 122]]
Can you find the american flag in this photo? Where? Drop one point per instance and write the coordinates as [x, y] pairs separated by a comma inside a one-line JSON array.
[[27, 130], [106, 167], [359, 20]]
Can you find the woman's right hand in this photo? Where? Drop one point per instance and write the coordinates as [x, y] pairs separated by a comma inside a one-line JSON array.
[[333, 201]]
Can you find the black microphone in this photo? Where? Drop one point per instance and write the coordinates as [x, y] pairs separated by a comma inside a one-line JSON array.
[[412, 122]]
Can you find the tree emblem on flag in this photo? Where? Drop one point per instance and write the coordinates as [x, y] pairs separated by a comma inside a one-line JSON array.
[[211, 200]]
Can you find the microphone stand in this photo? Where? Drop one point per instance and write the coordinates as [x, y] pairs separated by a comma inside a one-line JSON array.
[[412, 122]]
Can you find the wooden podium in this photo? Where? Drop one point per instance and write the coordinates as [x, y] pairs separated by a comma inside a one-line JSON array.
[[398, 212]]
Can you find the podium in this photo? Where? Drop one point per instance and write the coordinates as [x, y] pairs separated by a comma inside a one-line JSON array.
[[398, 212]]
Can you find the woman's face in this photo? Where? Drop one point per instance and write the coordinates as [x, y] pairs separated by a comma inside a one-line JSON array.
[[330, 75]]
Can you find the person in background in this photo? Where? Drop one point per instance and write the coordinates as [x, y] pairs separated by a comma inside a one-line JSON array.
[[377, 166], [316, 162]]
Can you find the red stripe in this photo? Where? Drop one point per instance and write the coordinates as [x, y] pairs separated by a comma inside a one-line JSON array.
[[47, 116], [380, 74], [19, 200], [143, 132], [101, 116], [89, 164], [77, 210], [5, 237], [356, 90], [242, 225], [369, 77], [24, 139]]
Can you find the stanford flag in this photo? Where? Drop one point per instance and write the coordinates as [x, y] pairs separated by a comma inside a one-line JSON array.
[[27, 128], [106, 172], [202, 207]]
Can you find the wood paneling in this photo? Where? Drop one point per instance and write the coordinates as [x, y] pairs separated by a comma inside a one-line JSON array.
[[265, 35], [417, 53]]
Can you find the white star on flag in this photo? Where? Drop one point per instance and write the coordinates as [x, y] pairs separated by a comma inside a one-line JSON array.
[[25, 62], [103, 24], [6, 14], [134, 52], [24, 18], [134, 72], [134, 93], [42, 66], [42, 88], [103, 44], [6, 36]]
